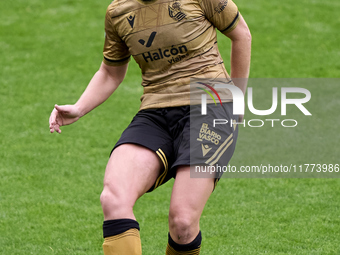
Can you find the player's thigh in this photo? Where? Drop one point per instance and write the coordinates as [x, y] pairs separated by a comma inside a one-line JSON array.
[[189, 195], [131, 171]]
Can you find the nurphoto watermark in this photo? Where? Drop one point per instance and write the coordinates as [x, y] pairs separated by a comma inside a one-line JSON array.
[[278, 123], [237, 97]]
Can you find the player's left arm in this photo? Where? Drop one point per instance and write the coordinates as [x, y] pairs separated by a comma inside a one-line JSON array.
[[240, 53]]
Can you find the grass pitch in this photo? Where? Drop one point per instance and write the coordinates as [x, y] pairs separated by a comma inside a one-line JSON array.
[[50, 184]]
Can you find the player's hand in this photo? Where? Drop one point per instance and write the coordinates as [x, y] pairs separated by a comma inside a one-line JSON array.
[[63, 115]]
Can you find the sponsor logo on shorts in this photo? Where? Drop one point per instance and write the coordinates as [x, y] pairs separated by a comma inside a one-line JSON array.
[[206, 134]]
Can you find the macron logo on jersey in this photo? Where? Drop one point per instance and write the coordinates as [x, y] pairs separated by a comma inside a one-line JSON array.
[[131, 20]]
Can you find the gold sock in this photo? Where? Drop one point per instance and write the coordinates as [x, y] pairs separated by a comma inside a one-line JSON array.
[[126, 243]]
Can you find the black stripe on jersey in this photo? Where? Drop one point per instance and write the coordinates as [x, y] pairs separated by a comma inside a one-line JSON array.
[[232, 23], [117, 61]]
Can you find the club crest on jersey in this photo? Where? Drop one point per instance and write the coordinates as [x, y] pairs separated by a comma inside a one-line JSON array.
[[175, 11]]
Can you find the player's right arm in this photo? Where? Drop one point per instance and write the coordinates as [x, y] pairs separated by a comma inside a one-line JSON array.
[[102, 85]]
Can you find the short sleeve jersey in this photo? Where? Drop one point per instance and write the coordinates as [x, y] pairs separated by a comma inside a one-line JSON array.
[[171, 40]]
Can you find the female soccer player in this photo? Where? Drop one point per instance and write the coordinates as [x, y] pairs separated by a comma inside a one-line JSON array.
[[175, 43]]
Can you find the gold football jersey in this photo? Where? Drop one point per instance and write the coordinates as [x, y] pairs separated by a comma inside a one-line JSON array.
[[171, 40]]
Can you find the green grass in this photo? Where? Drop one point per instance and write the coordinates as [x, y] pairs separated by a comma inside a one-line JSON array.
[[50, 184]]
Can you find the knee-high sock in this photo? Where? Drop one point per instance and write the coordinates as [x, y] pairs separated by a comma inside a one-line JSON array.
[[192, 248], [121, 237]]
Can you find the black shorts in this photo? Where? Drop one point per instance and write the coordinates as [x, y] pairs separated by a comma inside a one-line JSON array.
[[182, 136]]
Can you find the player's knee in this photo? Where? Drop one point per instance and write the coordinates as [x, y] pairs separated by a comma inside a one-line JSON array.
[[112, 203], [182, 226], [105, 197], [180, 223]]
